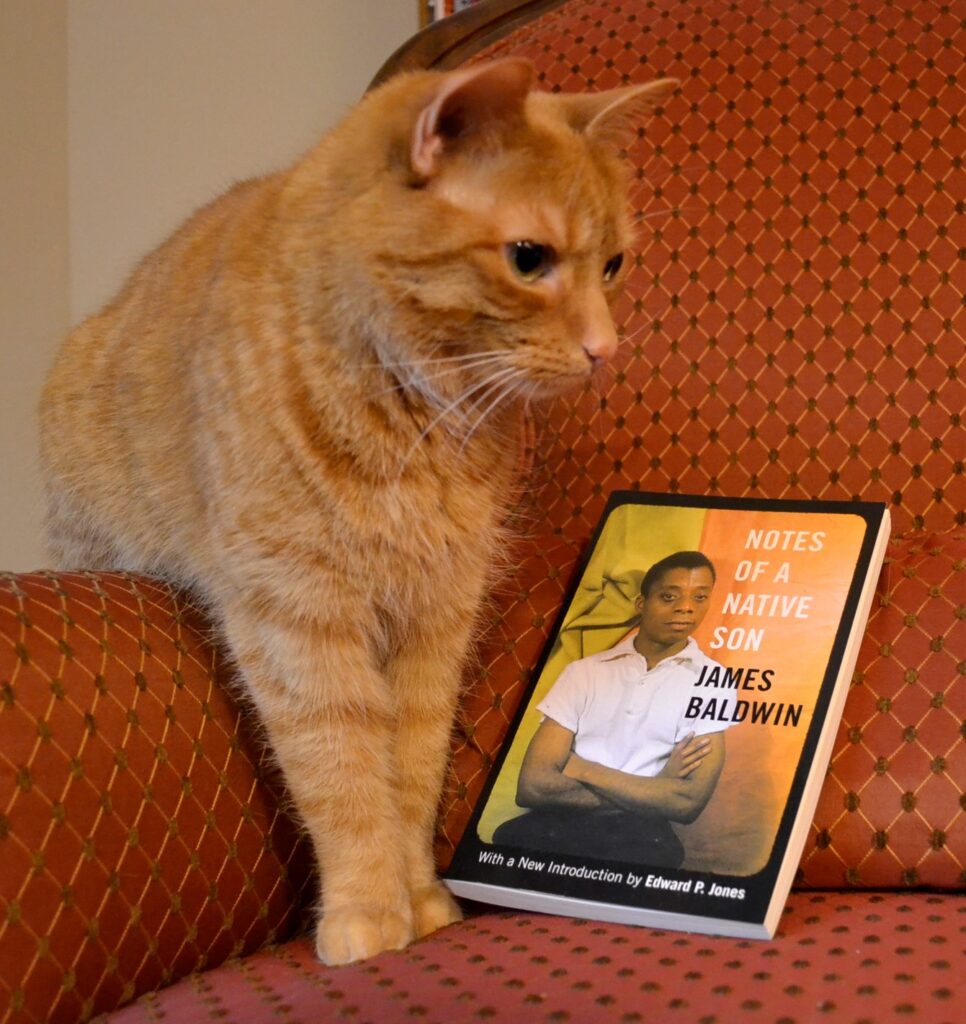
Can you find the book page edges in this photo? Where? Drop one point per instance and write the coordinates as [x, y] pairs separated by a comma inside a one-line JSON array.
[[613, 913], [823, 750]]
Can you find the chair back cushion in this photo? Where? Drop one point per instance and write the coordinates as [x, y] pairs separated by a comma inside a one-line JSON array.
[[794, 326]]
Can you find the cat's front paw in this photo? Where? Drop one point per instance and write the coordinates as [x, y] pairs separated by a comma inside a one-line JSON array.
[[358, 932], [434, 908]]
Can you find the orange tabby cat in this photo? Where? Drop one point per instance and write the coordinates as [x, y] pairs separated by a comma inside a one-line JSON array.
[[303, 405]]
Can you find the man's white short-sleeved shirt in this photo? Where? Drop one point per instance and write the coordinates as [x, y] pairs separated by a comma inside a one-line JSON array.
[[625, 715]]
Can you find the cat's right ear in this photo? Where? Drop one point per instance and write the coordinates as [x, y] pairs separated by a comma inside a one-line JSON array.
[[467, 103], [612, 116]]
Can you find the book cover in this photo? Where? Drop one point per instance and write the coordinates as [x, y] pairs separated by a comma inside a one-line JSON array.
[[665, 767]]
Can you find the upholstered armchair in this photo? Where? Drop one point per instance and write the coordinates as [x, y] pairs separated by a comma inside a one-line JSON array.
[[793, 326]]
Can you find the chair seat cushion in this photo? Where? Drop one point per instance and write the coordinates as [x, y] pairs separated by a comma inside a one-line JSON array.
[[846, 957]]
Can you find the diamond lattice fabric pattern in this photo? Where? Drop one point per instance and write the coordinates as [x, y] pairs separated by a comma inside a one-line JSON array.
[[793, 327], [142, 828]]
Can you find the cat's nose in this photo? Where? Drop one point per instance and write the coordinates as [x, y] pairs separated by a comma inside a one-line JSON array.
[[600, 345], [593, 325]]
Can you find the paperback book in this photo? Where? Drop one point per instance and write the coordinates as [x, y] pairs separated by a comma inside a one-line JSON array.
[[665, 766]]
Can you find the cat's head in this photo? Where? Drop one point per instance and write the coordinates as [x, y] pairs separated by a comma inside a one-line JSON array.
[[497, 226]]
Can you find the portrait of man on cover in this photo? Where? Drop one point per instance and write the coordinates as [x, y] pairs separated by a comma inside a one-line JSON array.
[[614, 760]]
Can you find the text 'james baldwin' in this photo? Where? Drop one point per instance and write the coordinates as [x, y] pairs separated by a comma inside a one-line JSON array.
[[749, 607]]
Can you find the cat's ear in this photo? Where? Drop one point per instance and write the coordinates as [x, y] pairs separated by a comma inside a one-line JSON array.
[[467, 103], [614, 115]]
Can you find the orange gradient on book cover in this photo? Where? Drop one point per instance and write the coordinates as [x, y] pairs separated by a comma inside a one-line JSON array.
[[782, 582]]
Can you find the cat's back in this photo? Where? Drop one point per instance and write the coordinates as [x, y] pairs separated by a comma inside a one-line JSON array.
[[169, 285], [121, 414]]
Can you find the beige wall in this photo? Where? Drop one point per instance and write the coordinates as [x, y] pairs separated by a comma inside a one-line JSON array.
[[121, 116], [171, 102], [34, 271]]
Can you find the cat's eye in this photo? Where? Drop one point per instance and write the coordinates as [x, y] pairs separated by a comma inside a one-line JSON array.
[[530, 260], [612, 266]]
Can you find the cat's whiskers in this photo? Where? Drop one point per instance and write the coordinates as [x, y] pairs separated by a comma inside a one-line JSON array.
[[418, 381], [461, 357], [648, 180], [597, 385], [653, 214], [477, 403], [452, 407], [494, 382], [630, 337], [649, 325], [508, 387]]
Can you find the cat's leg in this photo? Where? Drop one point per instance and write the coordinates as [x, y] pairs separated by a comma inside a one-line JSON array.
[[426, 676], [330, 717]]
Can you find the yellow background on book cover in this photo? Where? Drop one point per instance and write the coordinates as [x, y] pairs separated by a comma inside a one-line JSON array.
[[811, 578]]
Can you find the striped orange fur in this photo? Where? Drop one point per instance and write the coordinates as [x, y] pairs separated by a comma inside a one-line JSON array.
[[304, 406]]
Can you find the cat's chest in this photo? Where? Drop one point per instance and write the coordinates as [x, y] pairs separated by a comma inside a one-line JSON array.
[[427, 544], [350, 495], [436, 519]]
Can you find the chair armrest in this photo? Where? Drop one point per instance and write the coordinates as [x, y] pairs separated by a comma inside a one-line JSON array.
[[142, 833]]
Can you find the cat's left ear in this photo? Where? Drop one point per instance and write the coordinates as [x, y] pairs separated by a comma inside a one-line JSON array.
[[614, 115], [467, 103]]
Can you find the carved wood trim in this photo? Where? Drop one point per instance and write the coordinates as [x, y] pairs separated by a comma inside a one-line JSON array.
[[449, 42]]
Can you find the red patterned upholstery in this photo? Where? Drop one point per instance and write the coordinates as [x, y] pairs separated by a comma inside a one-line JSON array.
[[142, 834], [891, 813], [795, 326], [795, 322], [837, 957]]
